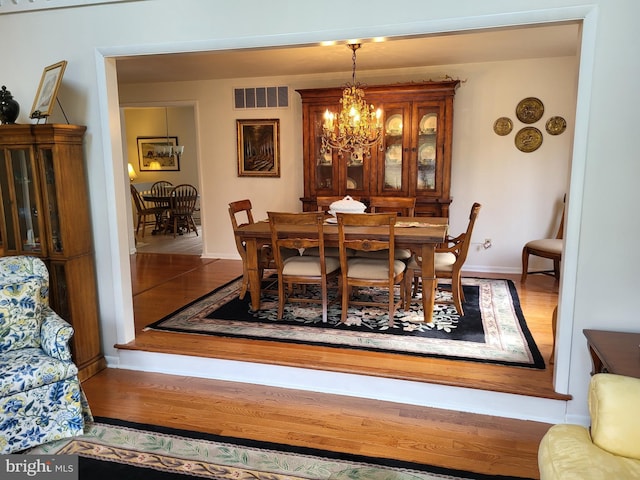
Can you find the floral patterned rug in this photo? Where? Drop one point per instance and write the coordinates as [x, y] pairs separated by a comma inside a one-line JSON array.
[[114, 449], [492, 330]]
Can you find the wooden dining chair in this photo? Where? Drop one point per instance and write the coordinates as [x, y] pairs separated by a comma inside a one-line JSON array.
[[182, 203], [240, 213], [143, 212], [449, 260], [370, 272], [301, 269], [404, 207], [550, 248]]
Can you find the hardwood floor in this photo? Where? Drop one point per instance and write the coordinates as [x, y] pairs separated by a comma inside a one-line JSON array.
[[160, 289], [484, 444]]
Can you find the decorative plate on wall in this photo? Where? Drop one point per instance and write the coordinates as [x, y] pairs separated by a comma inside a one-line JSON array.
[[503, 126], [529, 110], [556, 125], [528, 139]]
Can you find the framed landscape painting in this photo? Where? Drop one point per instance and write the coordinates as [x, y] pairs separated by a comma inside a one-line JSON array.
[[258, 148], [150, 160]]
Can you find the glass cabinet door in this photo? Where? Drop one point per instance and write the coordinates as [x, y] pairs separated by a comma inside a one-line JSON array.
[[393, 163], [7, 227], [427, 149], [325, 174], [51, 199], [357, 179], [27, 206]]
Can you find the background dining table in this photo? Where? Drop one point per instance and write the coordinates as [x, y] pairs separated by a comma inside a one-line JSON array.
[[419, 234]]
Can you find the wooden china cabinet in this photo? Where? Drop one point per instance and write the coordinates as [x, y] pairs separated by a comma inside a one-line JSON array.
[[44, 211], [413, 159]]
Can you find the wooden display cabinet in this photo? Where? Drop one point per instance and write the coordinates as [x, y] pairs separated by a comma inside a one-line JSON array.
[[44, 211], [412, 160]]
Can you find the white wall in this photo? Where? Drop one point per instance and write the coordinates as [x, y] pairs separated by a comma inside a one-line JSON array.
[[598, 289], [520, 192]]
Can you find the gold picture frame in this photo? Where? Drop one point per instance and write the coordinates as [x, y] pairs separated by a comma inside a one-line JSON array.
[[48, 90], [258, 147]]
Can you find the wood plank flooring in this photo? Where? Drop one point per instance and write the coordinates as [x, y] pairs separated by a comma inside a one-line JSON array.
[[173, 290], [458, 440], [483, 444]]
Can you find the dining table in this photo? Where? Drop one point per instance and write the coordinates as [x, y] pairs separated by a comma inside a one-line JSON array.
[[421, 235]]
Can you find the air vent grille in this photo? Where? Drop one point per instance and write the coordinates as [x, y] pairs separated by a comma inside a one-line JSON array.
[[261, 97]]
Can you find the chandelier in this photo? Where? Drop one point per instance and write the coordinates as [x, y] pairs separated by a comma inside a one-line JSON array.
[[357, 127], [167, 149]]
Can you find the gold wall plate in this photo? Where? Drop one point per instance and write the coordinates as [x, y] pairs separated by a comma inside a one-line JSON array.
[[503, 126], [529, 110], [556, 125], [528, 139]]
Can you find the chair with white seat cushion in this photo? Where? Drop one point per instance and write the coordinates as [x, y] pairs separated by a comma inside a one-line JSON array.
[[358, 271], [449, 260], [300, 269], [550, 248]]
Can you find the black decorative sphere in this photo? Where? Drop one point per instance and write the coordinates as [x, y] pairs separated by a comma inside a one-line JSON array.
[[9, 108]]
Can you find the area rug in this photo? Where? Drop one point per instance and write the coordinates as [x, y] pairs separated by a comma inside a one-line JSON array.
[[492, 330], [113, 449]]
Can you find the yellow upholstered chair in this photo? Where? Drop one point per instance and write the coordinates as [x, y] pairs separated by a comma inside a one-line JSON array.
[[610, 448], [300, 269], [359, 271], [550, 248]]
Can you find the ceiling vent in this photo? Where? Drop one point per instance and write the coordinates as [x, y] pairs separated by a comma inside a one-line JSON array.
[[261, 97]]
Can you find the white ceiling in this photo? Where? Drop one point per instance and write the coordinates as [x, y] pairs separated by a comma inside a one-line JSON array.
[[537, 41]]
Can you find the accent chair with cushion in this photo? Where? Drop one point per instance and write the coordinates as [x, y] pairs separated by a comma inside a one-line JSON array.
[[40, 394], [550, 248], [610, 449], [449, 260], [301, 269], [359, 271]]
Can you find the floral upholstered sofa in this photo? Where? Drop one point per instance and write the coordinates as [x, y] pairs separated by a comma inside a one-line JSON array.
[[40, 395]]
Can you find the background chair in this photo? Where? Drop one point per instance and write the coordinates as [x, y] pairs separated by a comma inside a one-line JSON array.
[[301, 269], [182, 203], [370, 272], [449, 259], [40, 394], [610, 448], [161, 190], [143, 212], [403, 206], [550, 248], [240, 214]]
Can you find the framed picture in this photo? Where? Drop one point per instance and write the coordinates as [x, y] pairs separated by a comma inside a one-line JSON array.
[[258, 148], [152, 158], [48, 90]]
